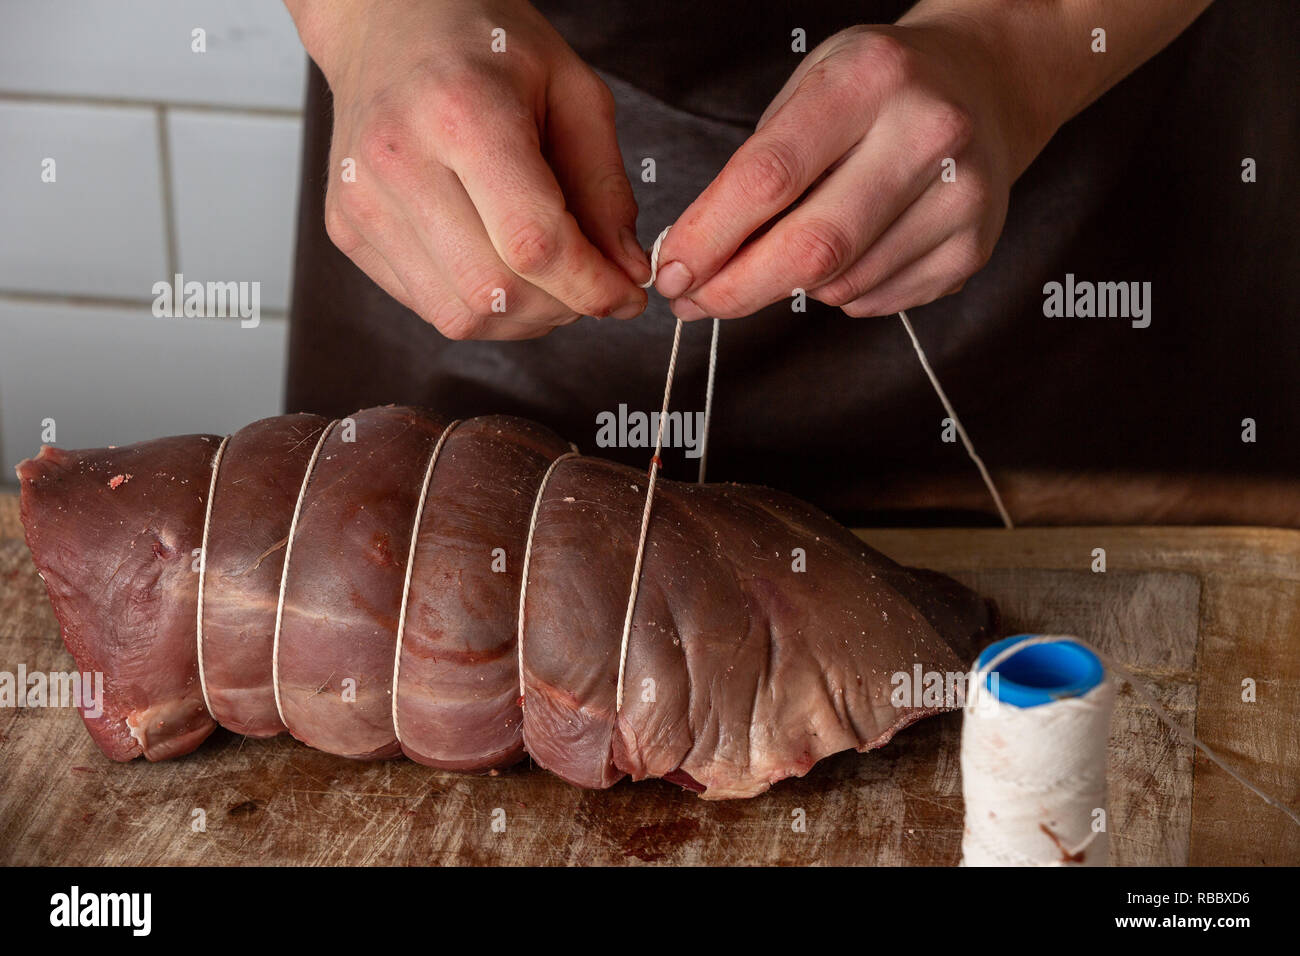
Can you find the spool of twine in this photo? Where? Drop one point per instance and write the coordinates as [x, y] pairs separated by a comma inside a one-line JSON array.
[[1033, 755]]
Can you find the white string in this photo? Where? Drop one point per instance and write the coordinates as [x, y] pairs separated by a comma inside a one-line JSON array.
[[708, 399], [410, 565], [976, 685], [528, 558], [645, 520], [203, 569], [713, 361], [952, 413], [656, 463], [284, 572]]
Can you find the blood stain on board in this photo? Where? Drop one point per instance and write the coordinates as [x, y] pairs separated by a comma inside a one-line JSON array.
[[654, 841]]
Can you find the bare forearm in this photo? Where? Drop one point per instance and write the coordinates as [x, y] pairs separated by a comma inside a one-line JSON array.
[[1046, 52]]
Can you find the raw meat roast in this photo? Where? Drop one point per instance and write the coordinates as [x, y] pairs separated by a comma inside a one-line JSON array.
[[263, 584]]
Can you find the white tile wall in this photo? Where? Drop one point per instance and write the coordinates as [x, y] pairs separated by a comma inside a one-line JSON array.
[[99, 228], [111, 376], [140, 49], [235, 182], [94, 84]]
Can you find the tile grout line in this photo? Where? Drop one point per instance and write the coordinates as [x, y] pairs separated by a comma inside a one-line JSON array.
[[170, 230], [72, 99]]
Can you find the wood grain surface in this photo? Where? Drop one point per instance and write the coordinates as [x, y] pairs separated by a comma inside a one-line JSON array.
[[1193, 611]]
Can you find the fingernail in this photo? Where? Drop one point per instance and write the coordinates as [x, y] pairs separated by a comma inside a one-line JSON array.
[[687, 311], [629, 311], [640, 262], [674, 279]]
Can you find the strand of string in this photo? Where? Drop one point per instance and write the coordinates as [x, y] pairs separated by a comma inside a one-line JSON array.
[[713, 365], [412, 545], [528, 557], [978, 675], [656, 463], [952, 413], [203, 566]]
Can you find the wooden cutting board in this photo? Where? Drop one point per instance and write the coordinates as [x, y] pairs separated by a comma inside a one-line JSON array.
[[1193, 611]]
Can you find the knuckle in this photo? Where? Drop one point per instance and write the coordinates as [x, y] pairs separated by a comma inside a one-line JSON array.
[[820, 249], [603, 304], [825, 78], [482, 296], [951, 127], [456, 322], [602, 99], [884, 59], [610, 181], [601, 308], [771, 173], [453, 103], [531, 246], [973, 193], [387, 145], [340, 233], [968, 256], [355, 210], [440, 101]]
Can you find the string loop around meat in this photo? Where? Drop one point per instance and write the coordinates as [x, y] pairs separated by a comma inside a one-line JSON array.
[[528, 559], [203, 569], [284, 571], [410, 566]]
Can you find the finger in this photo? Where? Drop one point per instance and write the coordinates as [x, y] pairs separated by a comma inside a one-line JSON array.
[[364, 256], [932, 276], [454, 239], [834, 104], [922, 227], [833, 227], [582, 146], [498, 159], [428, 284]]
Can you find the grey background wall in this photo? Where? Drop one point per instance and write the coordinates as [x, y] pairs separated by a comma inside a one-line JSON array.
[[167, 161]]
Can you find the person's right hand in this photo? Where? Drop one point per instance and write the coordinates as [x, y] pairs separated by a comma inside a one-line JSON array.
[[489, 196]]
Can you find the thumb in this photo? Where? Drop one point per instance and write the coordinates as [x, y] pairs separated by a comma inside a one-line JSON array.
[[582, 146]]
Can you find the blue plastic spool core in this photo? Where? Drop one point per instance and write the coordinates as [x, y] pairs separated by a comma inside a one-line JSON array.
[[1042, 673]]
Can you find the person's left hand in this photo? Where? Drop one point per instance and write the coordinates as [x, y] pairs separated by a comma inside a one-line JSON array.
[[850, 157]]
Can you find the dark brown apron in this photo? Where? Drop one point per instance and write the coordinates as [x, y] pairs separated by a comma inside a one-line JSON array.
[[1082, 419]]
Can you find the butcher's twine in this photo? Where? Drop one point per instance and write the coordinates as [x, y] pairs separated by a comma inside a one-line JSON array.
[[528, 559], [1034, 778], [656, 464], [410, 567], [284, 572], [203, 565]]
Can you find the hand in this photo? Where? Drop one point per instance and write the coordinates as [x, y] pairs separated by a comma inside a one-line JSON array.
[[850, 157], [489, 194]]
